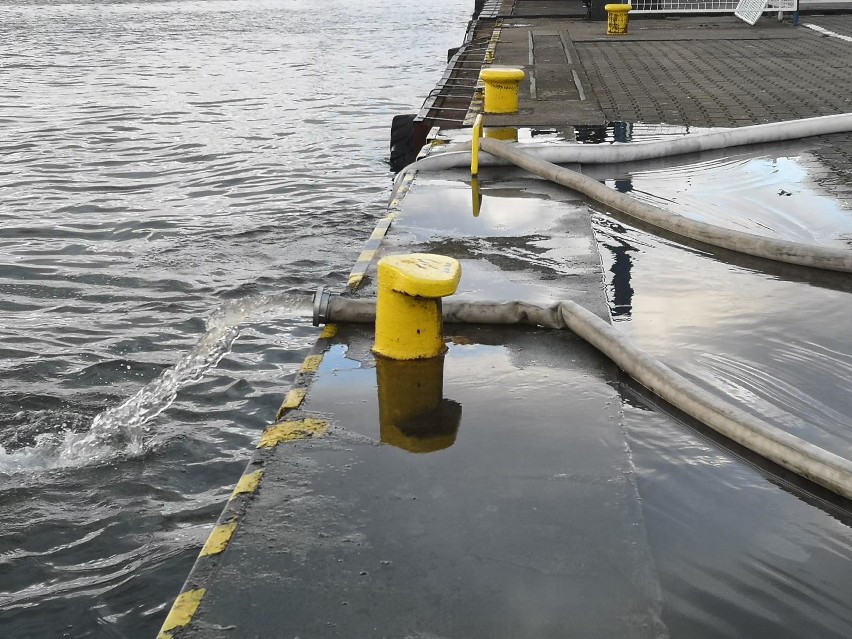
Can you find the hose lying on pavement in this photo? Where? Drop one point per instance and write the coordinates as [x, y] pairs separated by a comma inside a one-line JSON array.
[[457, 156], [803, 458], [538, 160], [771, 249]]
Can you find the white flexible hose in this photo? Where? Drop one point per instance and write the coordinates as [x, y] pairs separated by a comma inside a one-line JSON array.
[[539, 159], [803, 458], [768, 248], [651, 149], [453, 157]]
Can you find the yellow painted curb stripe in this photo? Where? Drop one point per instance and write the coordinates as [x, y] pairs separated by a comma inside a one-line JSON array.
[[329, 331], [218, 539], [476, 104], [367, 255], [359, 269], [182, 611], [311, 364], [292, 431], [294, 399], [492, 43], [248, 483]]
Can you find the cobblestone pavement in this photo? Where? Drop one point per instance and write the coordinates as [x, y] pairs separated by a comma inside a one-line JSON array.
[[722, 80]]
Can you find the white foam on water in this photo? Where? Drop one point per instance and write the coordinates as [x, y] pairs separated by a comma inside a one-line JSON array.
[[123, 430]]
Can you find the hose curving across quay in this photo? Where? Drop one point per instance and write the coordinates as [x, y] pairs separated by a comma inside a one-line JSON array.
[[811, 255], [539, 161], [781, 447]]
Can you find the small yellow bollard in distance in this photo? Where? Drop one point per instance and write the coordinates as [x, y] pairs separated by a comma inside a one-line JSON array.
[[408, 305], [501, 89], [616, 18]]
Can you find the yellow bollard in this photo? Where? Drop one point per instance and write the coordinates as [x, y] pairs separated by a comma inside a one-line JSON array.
[[616, 18], [408, 305], [501, 89]]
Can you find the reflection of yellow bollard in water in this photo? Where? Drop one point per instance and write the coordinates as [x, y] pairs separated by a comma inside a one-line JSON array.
[[408, 305], [507, 134], [413, 415], [501, 89], [475, 197], [616, 18]]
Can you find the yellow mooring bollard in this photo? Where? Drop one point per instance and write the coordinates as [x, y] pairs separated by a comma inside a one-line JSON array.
[[616, 18], [408, 305], [501, 89]]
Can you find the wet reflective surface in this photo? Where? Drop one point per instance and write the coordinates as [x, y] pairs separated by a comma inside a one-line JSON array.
[[740, 547], [160, 161], [500, 522], [736, 550]]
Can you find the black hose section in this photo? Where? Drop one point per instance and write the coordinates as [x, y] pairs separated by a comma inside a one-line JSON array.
[[777, 250]]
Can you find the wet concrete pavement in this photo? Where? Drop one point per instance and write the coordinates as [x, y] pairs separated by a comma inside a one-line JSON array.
[[527, 525], [510, 509]]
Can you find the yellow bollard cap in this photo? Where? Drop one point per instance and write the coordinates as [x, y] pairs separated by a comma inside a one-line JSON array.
[[421, 274], [501, 74], [617, 8]]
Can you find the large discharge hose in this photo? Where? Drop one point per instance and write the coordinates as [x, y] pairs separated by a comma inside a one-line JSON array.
[[458, 156], [768, 248], [803, 458], [539, 161]]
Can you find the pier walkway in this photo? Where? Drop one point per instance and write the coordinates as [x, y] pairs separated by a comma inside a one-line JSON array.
[[512, 510]]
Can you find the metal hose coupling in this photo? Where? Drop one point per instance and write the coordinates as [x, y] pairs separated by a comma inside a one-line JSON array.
[[322, 301]]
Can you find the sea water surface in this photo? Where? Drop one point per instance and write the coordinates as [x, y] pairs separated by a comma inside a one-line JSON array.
[[171, 173]]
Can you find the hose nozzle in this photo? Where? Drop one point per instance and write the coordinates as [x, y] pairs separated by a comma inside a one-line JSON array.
[[322, 300]]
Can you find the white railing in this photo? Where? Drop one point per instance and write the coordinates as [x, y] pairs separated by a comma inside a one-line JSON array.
[[683, 6], [704, 6]]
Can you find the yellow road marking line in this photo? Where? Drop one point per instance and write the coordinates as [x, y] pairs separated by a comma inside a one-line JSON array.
[[292, 431], [294, 399], [311, 364], [248, 483], [182, 611], [218, 539]]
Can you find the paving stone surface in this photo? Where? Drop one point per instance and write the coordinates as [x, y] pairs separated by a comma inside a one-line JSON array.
[[720, 82]]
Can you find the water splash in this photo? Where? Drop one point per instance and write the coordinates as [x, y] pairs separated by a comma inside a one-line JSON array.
[[123, 429]]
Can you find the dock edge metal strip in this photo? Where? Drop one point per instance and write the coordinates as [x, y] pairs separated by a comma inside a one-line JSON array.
[[359, 269]]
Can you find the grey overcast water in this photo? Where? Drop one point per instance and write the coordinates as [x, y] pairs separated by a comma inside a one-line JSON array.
[[170, 171]]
